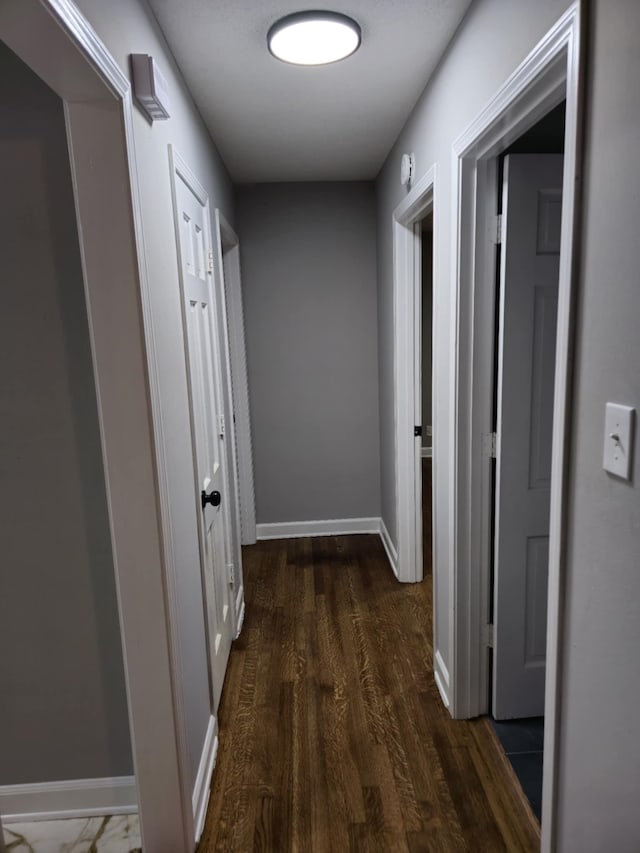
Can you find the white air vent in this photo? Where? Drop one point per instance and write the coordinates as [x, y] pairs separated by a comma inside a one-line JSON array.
[[149, 86]]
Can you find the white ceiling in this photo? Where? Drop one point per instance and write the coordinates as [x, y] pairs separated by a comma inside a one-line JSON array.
[[278, 122]]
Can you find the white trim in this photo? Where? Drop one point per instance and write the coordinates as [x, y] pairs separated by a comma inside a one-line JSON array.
[[78, 30], [535, 87], [202, 787], [170, 574], [549, 73], [415, 205], [181, 169], [389, 547], [407, 296], [331, 527], [68, 799], [229, 272], [426, 452], [240, 620], [441, 677]]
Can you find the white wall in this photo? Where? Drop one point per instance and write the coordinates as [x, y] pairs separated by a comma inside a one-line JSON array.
[[63, 712], [128, 26], [599, 745], [309, 287], [494, 37]]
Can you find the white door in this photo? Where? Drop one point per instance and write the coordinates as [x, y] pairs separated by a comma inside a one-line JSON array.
[[207, 421], [531, 207]]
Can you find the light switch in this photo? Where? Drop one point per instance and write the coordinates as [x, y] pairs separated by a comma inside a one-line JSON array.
[[618, 440]]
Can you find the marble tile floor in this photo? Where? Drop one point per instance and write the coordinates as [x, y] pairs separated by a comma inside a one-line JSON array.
[[113, 834]]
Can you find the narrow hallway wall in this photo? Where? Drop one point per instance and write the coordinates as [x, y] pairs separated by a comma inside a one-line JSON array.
[[599, 775], [309, 283]]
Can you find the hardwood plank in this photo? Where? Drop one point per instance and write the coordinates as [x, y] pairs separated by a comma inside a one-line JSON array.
[[332, 733], [508, 800]]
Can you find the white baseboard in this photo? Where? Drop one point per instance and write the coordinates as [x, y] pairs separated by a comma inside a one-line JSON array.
[[441, 675], [69, 799], [389, 547], [202, 788], [332, 527], [427, 452], [240, 612]]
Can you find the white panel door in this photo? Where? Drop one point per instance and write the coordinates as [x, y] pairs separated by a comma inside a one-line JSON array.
[[207, 423], [531, 208]]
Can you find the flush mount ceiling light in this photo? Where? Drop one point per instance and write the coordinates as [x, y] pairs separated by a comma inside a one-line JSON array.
[[313, 38]]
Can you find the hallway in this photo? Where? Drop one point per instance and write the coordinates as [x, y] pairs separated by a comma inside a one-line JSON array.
[[332, 732]]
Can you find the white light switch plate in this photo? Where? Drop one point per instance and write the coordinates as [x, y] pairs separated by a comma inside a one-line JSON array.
[[618, 440]]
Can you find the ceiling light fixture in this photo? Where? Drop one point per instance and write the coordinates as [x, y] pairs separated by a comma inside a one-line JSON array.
[[314, 38]]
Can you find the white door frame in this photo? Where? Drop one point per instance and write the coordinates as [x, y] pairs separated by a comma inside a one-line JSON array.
[[222, 233], [550, 73], [407, 331], [228, 275], [99, 119]]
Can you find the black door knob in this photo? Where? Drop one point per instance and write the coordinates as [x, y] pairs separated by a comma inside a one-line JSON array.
[[212, 498]]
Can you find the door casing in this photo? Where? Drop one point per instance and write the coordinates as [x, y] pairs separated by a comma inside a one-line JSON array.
[[407, 314], [552, 72], [227, 272]]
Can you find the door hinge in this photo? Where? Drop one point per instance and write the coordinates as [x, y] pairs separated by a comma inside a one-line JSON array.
[[490, 445], [221, 426], [210, 270], [232, 574], [417, 431], [488, 636], [496, 230]]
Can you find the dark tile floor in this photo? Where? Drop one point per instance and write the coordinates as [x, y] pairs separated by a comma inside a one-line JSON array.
[[523, 742]]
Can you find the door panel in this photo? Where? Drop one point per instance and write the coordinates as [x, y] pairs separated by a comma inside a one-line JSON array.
[[536, 600], [207, 425], [532, 202], [543, 363]]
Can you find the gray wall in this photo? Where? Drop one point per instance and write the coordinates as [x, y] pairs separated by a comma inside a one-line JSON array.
[[494, 37], [599, 749], [128, 26], [309, 286], [63, 713]]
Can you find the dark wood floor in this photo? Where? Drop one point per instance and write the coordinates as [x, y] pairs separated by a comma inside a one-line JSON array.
[[332, 734]]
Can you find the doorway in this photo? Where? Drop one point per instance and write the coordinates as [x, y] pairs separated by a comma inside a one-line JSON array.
[[67, 770], [407, 560], [548, 76], [98, 117], [426, 386], [529, 175], [229, 287]]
